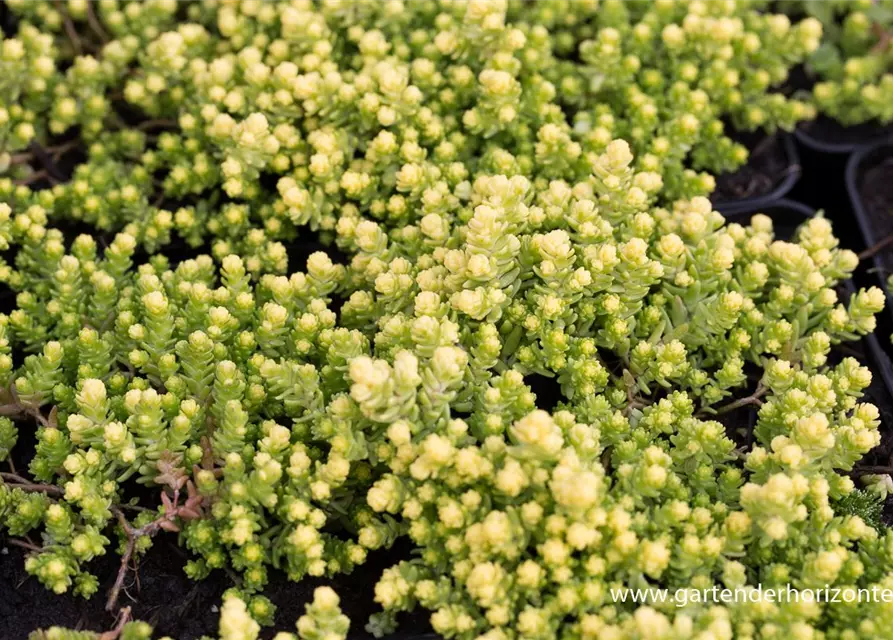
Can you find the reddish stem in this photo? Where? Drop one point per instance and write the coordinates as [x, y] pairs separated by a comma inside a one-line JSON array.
[[15, 542], [164, 522], [114, 634], [18, 482], [875, 248], [743, 402]]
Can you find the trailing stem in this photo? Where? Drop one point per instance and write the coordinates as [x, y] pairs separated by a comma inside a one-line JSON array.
[[752, 399], [115, 633], [19, 482], [190, 509]]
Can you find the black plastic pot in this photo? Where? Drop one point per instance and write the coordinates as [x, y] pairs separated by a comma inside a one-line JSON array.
[[786, 216], [783, 182], [828, 136], [871, 169]]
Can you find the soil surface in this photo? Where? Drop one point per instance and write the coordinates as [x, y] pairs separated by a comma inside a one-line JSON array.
[[768, 166], [175, 605], [825, 131]]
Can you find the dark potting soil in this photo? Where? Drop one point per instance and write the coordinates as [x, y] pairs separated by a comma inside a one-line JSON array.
[[767, 167], [828, 131], [177, 606]]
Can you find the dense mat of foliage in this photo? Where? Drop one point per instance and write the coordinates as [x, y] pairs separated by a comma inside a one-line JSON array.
[[515, 189]]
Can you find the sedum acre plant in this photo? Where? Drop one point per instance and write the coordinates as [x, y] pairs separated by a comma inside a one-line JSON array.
[[853, 65], [507, 193], [265, 419]]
